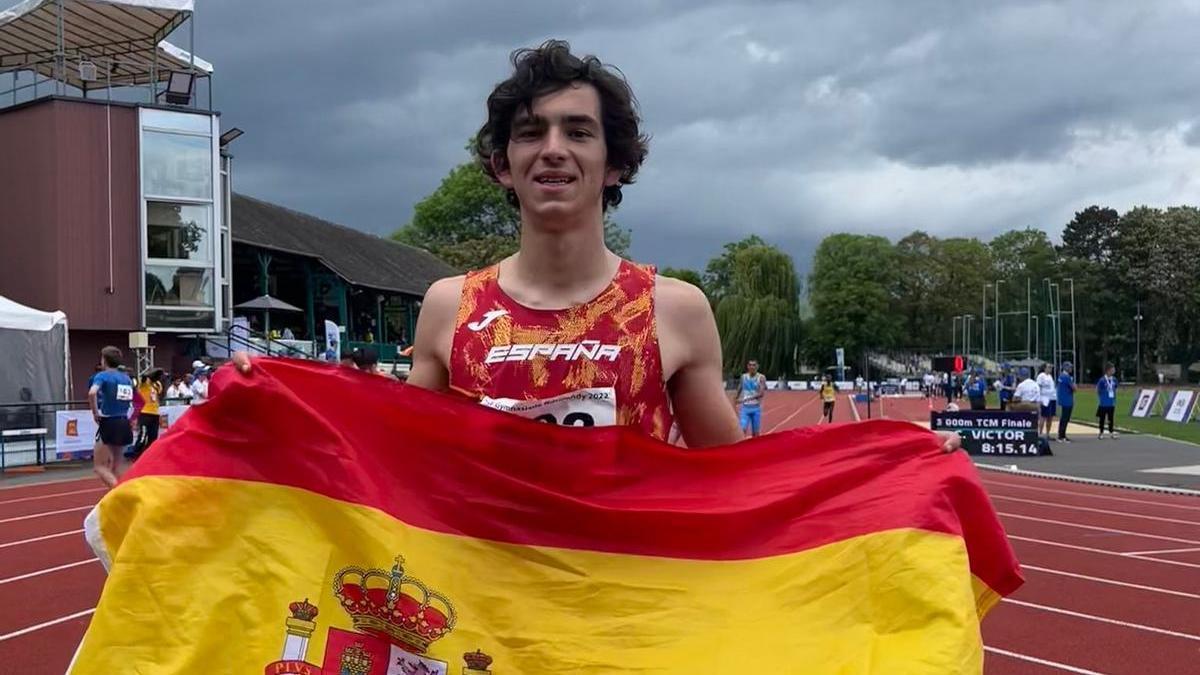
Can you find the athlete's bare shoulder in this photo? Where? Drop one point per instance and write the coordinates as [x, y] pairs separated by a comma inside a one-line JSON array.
[[691, 356], [435, 332], [680, 309], [676, 299]]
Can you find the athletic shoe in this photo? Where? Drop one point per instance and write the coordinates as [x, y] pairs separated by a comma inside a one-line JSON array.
[[1113, 434], [1101, 435]]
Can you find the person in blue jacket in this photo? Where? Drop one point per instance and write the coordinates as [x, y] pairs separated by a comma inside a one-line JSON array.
[[1066, 399], [977, 390], [1106, 390], [1008, 385]]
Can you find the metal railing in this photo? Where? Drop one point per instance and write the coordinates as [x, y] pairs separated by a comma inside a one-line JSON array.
[[32, 415]]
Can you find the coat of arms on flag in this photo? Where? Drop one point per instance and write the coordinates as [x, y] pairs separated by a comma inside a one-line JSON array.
[[396, 620]]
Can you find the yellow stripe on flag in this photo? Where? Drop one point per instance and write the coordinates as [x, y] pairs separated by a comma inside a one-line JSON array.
[[197, 556]]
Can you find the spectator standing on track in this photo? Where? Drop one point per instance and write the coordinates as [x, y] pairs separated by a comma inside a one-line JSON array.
[[1008, 386], [828, 397], [1066, 399], [752, 386], [1048, 397], [927, 384], [977, 388], [1027, 396], [1106, 390], [150, 389], [111, 398]]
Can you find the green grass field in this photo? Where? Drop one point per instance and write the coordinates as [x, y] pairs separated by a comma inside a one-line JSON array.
[[1085, 412]]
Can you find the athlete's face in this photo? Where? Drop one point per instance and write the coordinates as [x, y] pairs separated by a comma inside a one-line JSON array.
[[557, 161], [752, 367]]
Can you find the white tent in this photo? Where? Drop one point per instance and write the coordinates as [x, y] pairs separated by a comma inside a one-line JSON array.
[[37, 357]]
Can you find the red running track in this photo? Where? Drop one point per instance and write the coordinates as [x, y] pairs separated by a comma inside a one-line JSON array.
[[1113, 576]]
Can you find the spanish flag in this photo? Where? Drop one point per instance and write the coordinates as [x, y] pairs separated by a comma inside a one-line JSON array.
[[313, 519]]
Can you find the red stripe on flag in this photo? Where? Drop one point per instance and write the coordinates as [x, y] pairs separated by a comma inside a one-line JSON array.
[[444, 464]]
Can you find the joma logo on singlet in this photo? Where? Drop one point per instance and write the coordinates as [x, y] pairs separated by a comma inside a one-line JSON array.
[[587, 349]]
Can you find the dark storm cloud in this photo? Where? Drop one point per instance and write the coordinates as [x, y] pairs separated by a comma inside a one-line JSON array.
[[790, 120]]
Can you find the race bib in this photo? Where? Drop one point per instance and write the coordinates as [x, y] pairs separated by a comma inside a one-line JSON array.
[[595, 407], [124, 392]]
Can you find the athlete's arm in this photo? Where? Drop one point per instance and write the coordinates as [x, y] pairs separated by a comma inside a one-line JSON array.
[[434, 335], [691, 355]]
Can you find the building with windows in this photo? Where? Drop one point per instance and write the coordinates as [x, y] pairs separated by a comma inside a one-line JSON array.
[[116, 203]]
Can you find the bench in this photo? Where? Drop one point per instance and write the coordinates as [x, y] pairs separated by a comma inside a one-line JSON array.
[[15, 435]]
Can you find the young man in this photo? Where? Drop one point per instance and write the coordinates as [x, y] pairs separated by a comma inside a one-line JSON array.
[[110, 397], [595, 339], [1048, 397], [751, 388], [1106, 391], [828, 398], [977, 388], [1066, 399]]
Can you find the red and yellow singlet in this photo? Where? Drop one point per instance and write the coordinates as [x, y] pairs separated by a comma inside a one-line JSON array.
[[594, 364]]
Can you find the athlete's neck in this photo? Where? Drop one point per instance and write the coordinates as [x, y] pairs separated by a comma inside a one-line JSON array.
[[559, 266]]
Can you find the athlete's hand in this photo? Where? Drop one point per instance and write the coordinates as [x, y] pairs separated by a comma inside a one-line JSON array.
[[950, 441], [241, 362]]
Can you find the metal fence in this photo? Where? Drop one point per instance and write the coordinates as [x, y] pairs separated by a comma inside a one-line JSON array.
[[31, 415]]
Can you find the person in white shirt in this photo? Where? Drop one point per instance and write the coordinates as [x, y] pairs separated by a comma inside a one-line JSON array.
[[1048, 397], [1027, 395], [927, 380], [200, 387]]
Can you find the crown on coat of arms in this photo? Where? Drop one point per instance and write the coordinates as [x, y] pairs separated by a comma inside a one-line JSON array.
[[395, 606], [305, 611], [477, 661]]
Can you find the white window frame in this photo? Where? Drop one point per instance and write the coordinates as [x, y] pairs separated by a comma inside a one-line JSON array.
[[214, 202]]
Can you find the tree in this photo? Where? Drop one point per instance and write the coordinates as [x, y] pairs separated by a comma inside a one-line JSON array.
[[758, 317], [718, 276], [468, 222], [1154, 256], [852, 292], [1024, 253], [684, 274], [917, 291], [1089, 236]]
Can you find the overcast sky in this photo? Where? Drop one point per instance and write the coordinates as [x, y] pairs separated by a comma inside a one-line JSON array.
[[790, 120]]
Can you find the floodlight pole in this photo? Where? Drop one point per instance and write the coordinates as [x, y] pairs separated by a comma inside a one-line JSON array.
[[59, 51], [999, 342], [1138, 319], [983, 324]]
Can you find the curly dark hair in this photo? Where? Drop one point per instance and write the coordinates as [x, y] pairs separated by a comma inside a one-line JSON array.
[[550, 68]]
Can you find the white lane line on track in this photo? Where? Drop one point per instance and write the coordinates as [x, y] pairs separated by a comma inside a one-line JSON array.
[[796, 412], [1093, 527], [46, 513], [1113, 582], [853, 407], [48, 570], [1084, 480], [91, 479], [1040, 662], [1101, 551], [41, 538], [46, 624], [53, 494], [1102, 619], [986, 480], [1166, 550], [1094, 510]]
